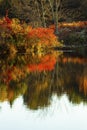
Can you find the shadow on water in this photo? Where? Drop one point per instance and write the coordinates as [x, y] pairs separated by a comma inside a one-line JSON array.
[[79, 50], [37, 78]]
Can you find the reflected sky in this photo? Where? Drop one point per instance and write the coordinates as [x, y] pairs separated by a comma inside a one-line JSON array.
[[62, 115]]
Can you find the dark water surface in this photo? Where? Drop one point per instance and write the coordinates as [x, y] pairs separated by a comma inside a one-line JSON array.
[[43, 92]]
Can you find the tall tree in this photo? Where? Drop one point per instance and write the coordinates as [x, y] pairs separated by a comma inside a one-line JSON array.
[[41, 10], [55, 6]]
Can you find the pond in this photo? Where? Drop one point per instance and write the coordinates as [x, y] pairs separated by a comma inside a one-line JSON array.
[[41, 92]]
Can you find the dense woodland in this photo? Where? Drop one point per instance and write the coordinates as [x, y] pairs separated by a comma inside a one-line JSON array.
[[32, 10]]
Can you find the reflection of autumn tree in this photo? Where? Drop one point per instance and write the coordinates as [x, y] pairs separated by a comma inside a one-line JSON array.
[[72, 78], [65, 78], [75, 96], [10, 93], [16, 70], [15, 90], [83, 81], [19, 67], [38, 81], [39, 93], [3, 92]]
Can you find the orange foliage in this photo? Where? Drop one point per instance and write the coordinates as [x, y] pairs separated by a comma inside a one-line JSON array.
[[16, 73], [39, 36], [46, 64], [43, 35], [79, 24], [74, 24], [13, 73]]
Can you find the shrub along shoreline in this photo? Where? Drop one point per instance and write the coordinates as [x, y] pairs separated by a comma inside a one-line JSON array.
[[17, 37]]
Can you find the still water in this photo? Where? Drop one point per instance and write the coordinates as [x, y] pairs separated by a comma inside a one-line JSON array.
[[41, 92]]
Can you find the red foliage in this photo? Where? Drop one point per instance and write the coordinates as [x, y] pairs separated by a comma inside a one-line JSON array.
[[46, 64], [8, 21]]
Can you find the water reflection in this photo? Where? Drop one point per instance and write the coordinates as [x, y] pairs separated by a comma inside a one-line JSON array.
[[38, 77]]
